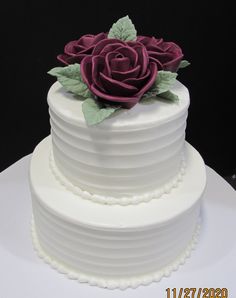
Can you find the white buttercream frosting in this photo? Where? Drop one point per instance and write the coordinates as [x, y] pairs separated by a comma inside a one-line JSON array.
[[112, 245], [136, 199], [130, 154], [124, 163], [122, 283]]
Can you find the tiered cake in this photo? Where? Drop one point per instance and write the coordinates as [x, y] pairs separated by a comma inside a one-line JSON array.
[[116, 204]]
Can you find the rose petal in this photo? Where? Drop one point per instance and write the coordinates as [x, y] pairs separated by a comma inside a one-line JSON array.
[[69, 48], [76, 49], [108, 62], [117, 88], [121, 76], [139, 81], [97, 67], [120, 64], [108, 57], [73, 49], [110, 43], [129, 52], [99, 37], [169, 61], [89, 40], [86, 40], [109, 48], [173, 65], [149, 41], [154, 48], [63, 58], [86, 70], [163, 57], [126, 102], [171, 47], [143, 58], [158, 63], [153, 75]]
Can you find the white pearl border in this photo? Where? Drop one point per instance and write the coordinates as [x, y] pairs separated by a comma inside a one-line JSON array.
[[122, 284], [123, 201]]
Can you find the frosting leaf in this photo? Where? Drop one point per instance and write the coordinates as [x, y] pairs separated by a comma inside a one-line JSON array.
[[184, 63], [163, 82], [123, 29], [168, 95], [71, 79], [94, 112]]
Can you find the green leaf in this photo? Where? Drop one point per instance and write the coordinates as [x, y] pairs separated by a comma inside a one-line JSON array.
[[123, 29], [168, 95], [164, 81], [148, 100], [184, 63], [94, 112], [71, 79], [151, 93]]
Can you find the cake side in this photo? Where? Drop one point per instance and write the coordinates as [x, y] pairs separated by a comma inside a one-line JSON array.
[[133, 152], [114, 246]]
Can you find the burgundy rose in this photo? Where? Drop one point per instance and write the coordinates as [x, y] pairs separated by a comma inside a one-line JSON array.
[[118, 71], [76, 50], [167, 55]]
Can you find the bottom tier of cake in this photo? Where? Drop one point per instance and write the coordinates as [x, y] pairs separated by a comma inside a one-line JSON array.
[[114, 246]]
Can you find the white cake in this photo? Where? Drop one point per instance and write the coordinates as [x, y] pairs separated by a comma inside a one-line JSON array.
[[134, 153], [116, 204]]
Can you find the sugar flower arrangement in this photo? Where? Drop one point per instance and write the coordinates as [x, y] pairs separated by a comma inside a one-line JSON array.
[[116, 70]]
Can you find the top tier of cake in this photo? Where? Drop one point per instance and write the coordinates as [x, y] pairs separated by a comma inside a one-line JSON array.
[[133, 152]]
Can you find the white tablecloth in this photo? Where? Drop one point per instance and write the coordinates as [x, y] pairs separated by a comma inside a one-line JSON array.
[[24, 275]]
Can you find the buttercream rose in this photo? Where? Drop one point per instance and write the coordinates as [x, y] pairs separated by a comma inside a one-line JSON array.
[[76, 50], [119, 72], [166, 55]]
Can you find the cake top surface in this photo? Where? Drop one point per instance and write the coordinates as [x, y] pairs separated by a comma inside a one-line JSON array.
[[142, 115]]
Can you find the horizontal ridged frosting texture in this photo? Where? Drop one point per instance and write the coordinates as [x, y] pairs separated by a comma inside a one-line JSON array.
[[112, 245], [133, 152]]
